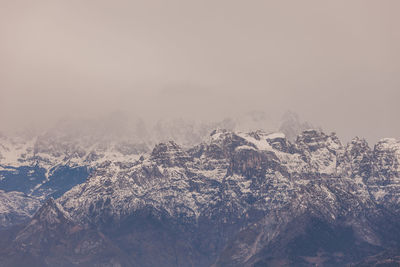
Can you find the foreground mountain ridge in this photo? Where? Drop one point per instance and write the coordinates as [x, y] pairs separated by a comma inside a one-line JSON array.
[[239, 199]]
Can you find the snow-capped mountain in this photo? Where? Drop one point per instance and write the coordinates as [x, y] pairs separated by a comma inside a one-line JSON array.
[[15, 207], [49, 163], [235, 199]]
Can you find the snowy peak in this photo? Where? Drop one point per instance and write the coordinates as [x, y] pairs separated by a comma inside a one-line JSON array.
[[388, 144], [220, 145], [387, 157], [357, 159], [357, 146], [279, 142], [313, 140], [169, 154], [16, 207]]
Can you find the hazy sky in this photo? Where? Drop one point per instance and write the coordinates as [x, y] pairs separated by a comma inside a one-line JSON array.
[[337, 63]]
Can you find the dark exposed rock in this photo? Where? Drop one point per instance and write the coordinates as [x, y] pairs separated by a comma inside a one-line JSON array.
[[248, 162], [386, 158], [357, 159], [51, 238], [169, 154]]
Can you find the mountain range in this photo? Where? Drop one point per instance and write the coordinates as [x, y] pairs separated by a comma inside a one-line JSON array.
[[257, 198]]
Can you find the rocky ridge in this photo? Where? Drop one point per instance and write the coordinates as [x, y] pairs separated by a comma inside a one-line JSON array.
[[242, 199]]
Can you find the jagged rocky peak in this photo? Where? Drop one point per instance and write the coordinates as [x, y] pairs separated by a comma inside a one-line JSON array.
[[170, 154], [220, 145], [279, 142], [221, 136], [388, 145], [321, 151], [387, 157], [49, 224], [51, 213], [313, 140], [357, 158], [357, 146]]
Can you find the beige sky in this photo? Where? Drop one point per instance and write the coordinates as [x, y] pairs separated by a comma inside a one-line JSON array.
[[337, 63]]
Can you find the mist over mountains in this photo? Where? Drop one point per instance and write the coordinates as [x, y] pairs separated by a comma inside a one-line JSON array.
[[154, 133], [120, 127], [90, 193]]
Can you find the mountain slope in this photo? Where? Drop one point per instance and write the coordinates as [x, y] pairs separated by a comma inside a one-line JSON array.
[[15, 208], [51, 238], [237, 199]]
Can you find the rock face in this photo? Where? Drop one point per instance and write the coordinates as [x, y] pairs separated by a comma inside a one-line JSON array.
[[237, 199], [357, 159], [169, 154], [52, 238], [386, 158]]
